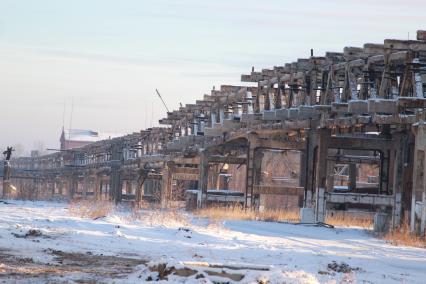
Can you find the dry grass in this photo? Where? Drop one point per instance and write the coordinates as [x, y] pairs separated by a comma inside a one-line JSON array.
[[239, 213], [403, 237], [91, 208], [149, 214], [345, 219], [155, 217], [159, 217], [280, 215]]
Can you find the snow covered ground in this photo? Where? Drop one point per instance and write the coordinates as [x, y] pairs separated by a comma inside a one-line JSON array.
[[42, 242]]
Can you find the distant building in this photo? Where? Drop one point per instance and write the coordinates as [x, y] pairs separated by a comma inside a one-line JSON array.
[[75, 138], [35, 153]]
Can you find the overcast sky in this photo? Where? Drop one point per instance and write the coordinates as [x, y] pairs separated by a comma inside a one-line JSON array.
[[109, 56]]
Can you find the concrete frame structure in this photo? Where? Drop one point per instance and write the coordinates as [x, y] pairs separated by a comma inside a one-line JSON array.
[[363, 105]]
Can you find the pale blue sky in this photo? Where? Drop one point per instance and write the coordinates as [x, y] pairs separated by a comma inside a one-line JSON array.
[[111, 55]]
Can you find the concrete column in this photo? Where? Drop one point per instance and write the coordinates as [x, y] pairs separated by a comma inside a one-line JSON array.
[[74, 185], [310, 157], [419, 181], [418, 82], [115, 176], [302, 169], [313, 87], [267, 99], [257, 166], [214, 180], [212, 119], [279, 98], [166, 189], [321, 172], [115, 183], [423, 215], [398, 173], [6, 179], [330, 176], [352, 176], [249, 98], [322, 154], [320, 206], [384, 84], [204, 176], [260, 101], [98, 187], [253, 169], [221, 115], [86, 184], [350, 90]]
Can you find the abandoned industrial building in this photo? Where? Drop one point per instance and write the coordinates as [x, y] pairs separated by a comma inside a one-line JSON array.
[[342, 131]]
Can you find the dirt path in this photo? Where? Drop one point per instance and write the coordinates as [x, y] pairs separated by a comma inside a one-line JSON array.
[[66, 266]]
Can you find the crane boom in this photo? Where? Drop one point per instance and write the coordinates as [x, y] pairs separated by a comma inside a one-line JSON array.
[[158, 93]]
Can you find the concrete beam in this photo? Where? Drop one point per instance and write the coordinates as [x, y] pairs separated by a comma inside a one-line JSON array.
[[227, 159], [358, 106], [384, 106], [356, 198], [278, 190]]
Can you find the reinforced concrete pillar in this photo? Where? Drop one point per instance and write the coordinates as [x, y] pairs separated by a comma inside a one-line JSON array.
[[302, 169], [203, 178], [166, 190], [86, 184], [310, 158], [322, 154], [398, 174], [74, 185], [423, 215], [115, 183], [253, 169], [6, 179], [330, 175], [115, 178], [321, 173], [352, 176], [320, 205], [418, 194]]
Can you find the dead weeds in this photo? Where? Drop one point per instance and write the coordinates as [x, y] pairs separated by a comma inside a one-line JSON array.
[[241, 213], [402, 236], [90, 208], [349, 219]]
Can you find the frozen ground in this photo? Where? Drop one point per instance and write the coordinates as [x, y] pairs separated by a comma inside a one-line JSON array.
[[41, 242]]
